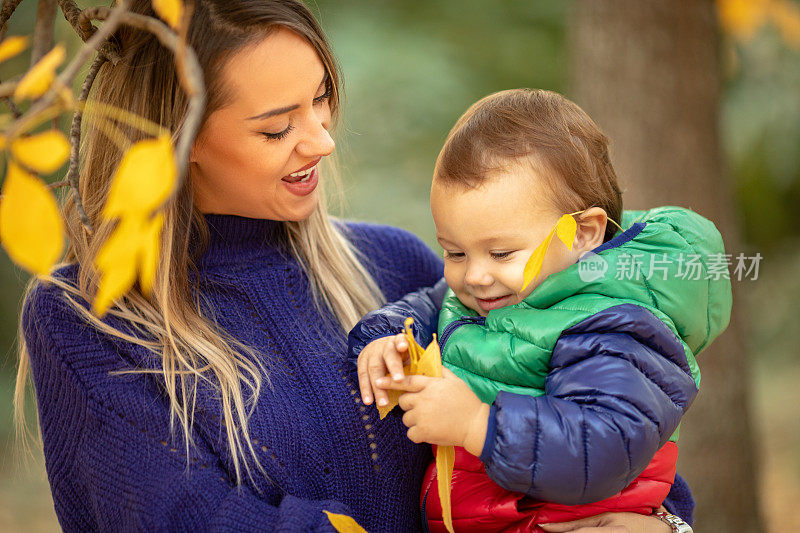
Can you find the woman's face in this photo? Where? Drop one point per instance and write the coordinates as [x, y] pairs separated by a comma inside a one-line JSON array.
[[257, 156]]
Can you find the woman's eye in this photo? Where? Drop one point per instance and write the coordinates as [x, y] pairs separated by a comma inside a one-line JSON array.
[[324, 96], [279, 135], [501, 255]]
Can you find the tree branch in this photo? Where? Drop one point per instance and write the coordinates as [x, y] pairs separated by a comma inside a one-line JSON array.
[[192, 83], [43, 31], [5, 13], [75, 139]]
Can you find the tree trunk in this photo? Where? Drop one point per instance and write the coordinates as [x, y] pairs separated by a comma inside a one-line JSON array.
[[647, 71]]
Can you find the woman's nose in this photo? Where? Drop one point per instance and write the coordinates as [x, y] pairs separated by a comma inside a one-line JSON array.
[[317, 141]]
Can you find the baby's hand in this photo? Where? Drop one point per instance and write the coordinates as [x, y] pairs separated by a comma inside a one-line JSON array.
[[381, 356]]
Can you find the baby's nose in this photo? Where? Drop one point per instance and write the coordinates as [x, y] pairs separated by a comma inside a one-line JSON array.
[[478, 277]]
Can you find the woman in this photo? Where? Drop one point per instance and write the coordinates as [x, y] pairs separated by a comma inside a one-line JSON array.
[[225, 401]]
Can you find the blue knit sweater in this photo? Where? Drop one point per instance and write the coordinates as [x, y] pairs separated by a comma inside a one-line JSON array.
[[114, 464]]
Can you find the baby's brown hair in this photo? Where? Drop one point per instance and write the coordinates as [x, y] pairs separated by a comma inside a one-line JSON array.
[[552, 133]]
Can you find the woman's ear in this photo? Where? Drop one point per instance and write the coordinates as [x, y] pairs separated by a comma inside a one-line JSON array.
[[591, 229]]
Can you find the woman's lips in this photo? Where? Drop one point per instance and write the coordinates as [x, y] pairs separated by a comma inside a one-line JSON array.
[[487, 304], [302, 185]]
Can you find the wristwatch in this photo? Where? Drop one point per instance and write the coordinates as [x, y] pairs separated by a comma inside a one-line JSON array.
[[675, 522]]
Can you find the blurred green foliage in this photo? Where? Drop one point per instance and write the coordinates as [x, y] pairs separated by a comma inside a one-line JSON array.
[[412, 67]]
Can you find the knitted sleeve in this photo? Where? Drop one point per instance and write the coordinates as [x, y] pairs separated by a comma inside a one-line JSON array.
[[111, 459]]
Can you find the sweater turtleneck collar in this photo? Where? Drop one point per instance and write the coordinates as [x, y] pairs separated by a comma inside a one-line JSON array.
[[236, 240]]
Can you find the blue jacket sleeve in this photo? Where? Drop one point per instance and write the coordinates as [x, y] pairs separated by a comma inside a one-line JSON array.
[[618, 386], [422, 305]]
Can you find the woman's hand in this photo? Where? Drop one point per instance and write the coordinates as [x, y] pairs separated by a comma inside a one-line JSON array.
[[378, 358], [611, 523], [442, 411]]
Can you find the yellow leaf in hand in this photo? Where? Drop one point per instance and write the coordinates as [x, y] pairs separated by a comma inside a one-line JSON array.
[[44, 152], [12, 46], [394, 395], [445, 460], [40, 77], [144, 179], [566, 228], [344, 523], [31, 228], [170, 11]]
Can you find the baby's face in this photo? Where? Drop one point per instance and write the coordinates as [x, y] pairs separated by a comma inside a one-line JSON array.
[[489, 233]]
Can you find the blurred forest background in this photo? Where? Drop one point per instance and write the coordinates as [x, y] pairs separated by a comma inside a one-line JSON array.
[[700, 114]]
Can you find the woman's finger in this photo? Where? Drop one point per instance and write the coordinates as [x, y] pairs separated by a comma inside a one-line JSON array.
[[573, 527], [363, 378], [592, 524]]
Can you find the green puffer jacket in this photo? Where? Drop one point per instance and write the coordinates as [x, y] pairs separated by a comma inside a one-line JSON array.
[[670, 261]]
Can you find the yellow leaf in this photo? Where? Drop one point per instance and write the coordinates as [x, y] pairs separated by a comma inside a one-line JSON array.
[[40, 77], [534, 265], [12, 46], [566, 228], [117, 261], [31, 228], [742, 18], [445, 459], [144, 179], [394, 395], [786, 17], [344, 523], [44, 152], [170, 11], [151, 243]]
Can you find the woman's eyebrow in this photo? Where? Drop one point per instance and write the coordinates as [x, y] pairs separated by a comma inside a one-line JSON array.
[[282, 110]]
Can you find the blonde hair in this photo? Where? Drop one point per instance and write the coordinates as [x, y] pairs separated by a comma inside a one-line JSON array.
[[191, 346]]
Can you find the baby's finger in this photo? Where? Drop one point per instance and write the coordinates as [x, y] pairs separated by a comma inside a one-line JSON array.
[[363, 380], [377, 370], [401, 344], [393, 362], [408, 383]]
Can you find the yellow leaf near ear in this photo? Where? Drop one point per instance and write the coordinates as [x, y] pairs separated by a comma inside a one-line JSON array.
[[170, 11], [534, 265], [31, 228], [117, 261], [151, 244], [344, 523], [44, 152], [566, 228], [12, 46], [445, 459], [40, 77], [144, 179]]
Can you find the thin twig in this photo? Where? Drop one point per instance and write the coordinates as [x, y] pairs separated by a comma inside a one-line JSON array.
[[85, 30], [5, 13], [113, 20], [43, 30], [58, 185], [75, 139]]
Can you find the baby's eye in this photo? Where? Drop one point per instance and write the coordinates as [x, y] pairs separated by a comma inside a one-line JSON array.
[[453, 255], [501, 255]]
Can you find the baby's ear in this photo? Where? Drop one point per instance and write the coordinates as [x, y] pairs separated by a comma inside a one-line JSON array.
[[591, 229]]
